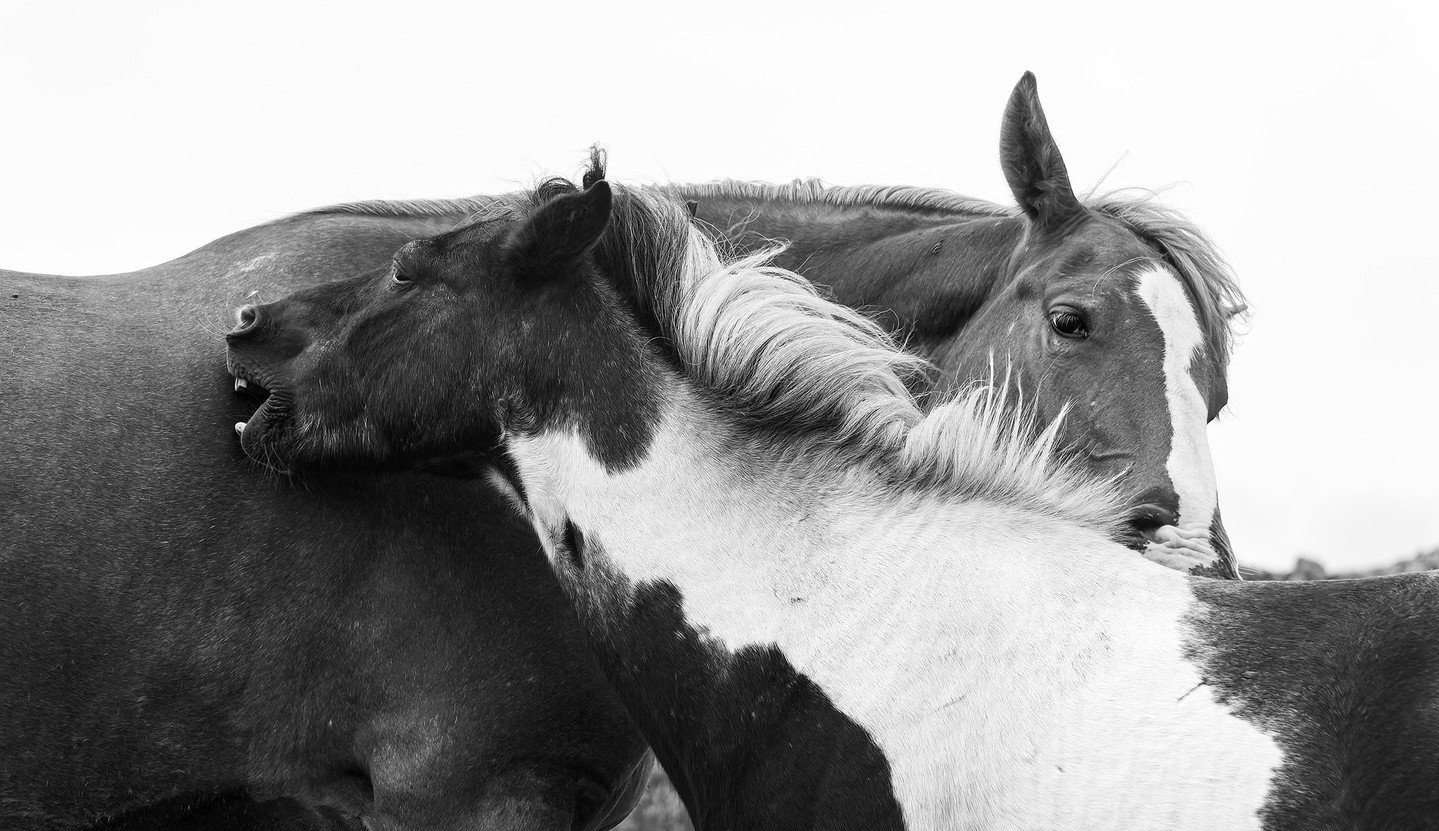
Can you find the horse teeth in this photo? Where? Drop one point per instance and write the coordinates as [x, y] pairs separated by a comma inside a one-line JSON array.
[[241, 383], [239, 428]]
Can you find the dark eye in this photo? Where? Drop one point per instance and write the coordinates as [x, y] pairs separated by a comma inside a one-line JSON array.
[[1069, 324], [399, 277]]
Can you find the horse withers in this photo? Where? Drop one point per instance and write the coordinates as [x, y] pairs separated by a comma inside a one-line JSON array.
[[1048, 295], [824, 605], [188, 642]]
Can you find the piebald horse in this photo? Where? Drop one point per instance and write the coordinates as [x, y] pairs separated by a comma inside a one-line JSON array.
[[1050, 291], [824, 606]]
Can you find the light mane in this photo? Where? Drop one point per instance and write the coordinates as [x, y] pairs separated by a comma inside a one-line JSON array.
[[762, 338], [816, 192], [1187, 249], [462, 206]]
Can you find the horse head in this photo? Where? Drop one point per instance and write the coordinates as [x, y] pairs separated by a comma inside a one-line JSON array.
[[344, 368], [1109, 314]]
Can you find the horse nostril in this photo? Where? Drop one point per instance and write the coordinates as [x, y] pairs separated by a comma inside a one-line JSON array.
[[246, 319]]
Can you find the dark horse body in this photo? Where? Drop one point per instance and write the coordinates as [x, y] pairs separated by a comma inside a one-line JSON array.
[[177, 629]]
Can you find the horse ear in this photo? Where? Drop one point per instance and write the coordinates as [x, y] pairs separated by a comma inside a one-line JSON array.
[[1032, 164], [565, 228]]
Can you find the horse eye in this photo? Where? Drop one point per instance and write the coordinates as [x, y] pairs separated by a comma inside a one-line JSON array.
[[1069, 324], [399, 277]]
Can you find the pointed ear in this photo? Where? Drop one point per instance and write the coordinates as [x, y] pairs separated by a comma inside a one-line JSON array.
[[565, 228], [1032, 164]]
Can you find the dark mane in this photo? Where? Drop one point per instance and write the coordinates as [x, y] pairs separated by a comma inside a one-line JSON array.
[[1186, 248]]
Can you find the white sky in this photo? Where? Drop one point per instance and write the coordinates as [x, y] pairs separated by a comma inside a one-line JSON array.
[[1304, 145]]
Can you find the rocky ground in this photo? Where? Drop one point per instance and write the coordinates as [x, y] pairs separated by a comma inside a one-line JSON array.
[[1307, 569]]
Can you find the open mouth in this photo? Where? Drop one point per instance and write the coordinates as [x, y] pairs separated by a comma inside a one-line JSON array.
[[248, 385], [259, 433]]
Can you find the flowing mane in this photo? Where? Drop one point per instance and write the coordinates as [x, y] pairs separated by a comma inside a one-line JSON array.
[[1187, 249], [762, 338]]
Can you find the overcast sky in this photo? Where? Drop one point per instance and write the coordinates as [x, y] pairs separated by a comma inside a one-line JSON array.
[[132, 133]]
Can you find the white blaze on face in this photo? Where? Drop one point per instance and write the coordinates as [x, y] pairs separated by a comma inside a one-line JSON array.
[[1190, 467]]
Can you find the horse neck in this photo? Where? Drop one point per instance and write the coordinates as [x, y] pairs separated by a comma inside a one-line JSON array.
[[926, 274], [721, 575]]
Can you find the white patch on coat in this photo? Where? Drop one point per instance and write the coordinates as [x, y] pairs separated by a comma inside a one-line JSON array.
[[502, 484], [1016, 672], [1190, 468]]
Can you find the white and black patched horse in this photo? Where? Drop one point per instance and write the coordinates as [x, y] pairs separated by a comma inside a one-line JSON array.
[[824, 606], [1052, 291]]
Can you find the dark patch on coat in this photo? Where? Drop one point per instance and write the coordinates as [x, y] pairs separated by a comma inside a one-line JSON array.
[[1344, 675], [748, 741]]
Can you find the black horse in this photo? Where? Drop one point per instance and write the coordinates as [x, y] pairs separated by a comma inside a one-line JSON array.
[[188, 643]]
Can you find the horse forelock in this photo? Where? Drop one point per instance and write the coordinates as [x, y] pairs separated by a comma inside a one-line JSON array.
[[1193, 256], [763, 339]]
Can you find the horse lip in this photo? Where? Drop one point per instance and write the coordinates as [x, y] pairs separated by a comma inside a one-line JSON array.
[[253, 383]]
